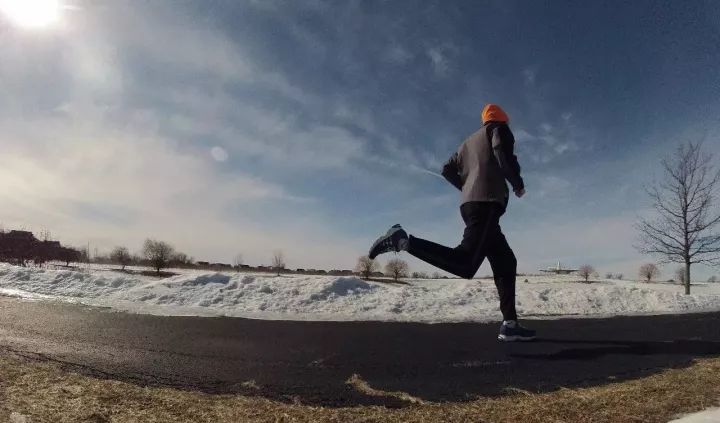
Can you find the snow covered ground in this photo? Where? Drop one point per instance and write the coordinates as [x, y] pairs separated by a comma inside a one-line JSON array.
[[303, 297], [708, 416]]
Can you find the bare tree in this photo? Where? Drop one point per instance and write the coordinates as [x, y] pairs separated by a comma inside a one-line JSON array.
[[683, 229], [680, 275], [84, 255], [44, 235], [397, 268], [586, 271], [278, 261], [238, 261], [181, 260], [436, 275], [68, 255], [158, 253], [619, 276], [366, 266], [712, 279], [121, 256], [419, 275], [648, 272], [608, 275]]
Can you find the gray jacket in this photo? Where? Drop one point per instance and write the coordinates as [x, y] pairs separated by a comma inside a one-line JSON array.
[[482, 164]]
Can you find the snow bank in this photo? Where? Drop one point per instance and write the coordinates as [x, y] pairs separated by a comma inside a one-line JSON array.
[[708, 416], [64, 283], [304, 297]]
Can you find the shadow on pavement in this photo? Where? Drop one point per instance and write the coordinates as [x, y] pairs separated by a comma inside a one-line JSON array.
[[599, 348], [543, 366]]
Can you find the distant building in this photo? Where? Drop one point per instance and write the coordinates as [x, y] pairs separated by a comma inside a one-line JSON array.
[[20, 246], [20, 235]]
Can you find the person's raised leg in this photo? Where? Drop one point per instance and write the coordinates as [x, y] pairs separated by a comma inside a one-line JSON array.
[[465, 259]]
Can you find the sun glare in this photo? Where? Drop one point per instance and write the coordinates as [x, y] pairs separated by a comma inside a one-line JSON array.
[[31, 13]]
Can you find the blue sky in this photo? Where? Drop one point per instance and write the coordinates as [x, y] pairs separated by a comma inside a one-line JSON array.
[[309, 126]]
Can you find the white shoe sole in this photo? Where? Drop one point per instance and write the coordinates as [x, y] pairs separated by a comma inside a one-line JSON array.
[[515, 338]]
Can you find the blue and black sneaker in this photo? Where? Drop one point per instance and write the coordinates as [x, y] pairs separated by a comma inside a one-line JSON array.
[[511, 331], [396, 239]]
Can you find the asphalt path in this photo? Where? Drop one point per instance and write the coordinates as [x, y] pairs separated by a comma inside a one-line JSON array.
[[311, 362]]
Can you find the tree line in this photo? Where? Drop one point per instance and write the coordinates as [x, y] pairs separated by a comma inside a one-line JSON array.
[[161, 255]]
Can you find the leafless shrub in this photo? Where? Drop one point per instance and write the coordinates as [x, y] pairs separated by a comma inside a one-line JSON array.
[[68, 255], [366, 266], [680, 275], [84, 255], [238, 261], [44, 235], [397, 269], [157, 253], [585, 271], [278, 261], [648, 272], [182, 260], [121, 256]]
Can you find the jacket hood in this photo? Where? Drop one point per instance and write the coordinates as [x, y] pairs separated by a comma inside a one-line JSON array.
[[493, 113]]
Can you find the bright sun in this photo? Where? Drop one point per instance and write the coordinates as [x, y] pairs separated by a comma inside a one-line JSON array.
[[31, 13]]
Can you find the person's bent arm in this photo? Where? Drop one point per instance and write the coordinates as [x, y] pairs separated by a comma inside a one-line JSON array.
[[503, 145], [451, 172]]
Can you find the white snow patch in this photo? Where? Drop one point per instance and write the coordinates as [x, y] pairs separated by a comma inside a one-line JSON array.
[[309, 297], [711, 415], [18, 418]]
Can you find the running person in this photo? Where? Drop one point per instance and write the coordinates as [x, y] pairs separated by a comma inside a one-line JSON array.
[[479, 169]]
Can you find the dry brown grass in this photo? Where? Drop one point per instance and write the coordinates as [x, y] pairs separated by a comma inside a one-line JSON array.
[[45, 393]]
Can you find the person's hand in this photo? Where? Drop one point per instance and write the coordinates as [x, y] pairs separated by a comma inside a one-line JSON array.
[[519, 193]]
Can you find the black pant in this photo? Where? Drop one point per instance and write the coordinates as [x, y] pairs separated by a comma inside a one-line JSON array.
[[482, 238]]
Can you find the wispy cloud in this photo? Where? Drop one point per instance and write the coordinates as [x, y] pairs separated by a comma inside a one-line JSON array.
[[550, 140], [398, 54], [529, 76], [439, 60]]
